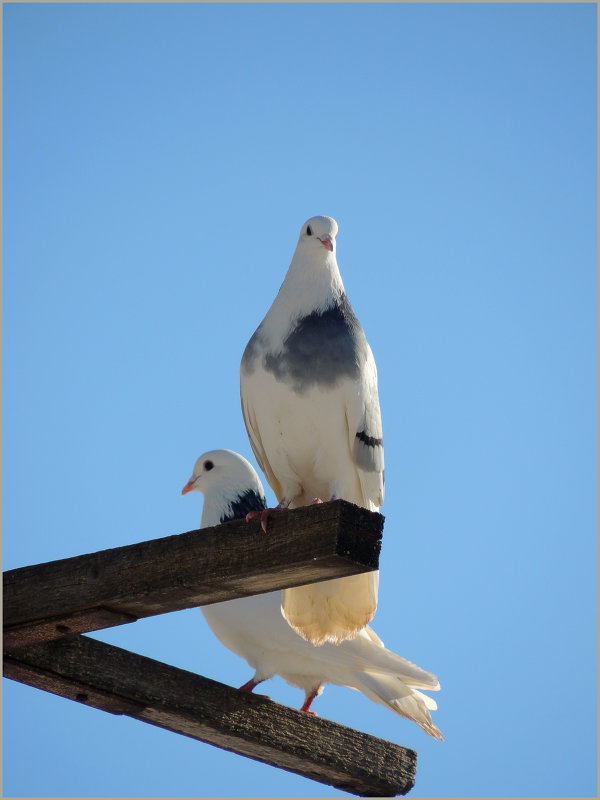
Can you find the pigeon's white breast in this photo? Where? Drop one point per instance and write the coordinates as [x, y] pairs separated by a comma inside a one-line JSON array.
[[305, 437]]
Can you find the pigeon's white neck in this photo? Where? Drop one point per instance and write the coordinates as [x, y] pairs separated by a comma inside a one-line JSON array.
[[311, 284], [212, 509], [218, 499]]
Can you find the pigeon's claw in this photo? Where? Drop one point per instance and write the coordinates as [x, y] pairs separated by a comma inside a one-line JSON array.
[[264, 516], [266, 513]]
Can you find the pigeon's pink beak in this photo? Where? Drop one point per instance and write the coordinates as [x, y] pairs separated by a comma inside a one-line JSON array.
[[326, 241], [189, 486]]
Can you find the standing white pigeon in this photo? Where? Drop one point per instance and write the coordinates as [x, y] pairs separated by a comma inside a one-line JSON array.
[[311, 408], [254, 628]]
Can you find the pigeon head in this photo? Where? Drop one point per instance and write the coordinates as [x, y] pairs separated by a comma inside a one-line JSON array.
[[218, 468], [318, 234], [229, 484]]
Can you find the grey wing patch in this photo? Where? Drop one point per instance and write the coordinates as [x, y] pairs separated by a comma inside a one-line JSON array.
[[244, 503], [368, 452], [252, 350], [321, 349]]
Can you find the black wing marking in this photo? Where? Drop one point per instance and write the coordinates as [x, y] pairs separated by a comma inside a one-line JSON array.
[[248, 501]]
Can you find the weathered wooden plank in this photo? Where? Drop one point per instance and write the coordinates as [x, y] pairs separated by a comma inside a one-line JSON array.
[[121, 682], [307, 545], [42, 630]]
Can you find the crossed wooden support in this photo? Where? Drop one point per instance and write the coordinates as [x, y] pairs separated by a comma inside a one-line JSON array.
[[47, 608]]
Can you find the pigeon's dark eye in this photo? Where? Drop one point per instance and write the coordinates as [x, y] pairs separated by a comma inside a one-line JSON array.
[[208, 465], [309, 231]]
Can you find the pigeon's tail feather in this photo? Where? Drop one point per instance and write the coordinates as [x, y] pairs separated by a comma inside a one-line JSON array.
[[401, 698], [380, 660], [331, 611]]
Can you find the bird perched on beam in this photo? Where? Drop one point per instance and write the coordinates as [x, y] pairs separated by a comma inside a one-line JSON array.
[[310, 402], [254, 628]]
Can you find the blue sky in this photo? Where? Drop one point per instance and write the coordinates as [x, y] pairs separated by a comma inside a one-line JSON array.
[[159, 161]]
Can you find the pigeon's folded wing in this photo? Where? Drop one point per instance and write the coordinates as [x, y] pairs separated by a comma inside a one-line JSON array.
[[256, 443], [365, 433]]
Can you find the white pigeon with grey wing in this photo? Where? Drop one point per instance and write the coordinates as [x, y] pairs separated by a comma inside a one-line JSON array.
[[310, 402], [254, 628]]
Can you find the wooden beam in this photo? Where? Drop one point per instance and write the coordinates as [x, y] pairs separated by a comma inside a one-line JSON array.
[[112, 587], [121, 682]]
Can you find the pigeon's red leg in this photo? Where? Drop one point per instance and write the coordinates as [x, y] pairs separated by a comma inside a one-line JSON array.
[[249, 687], [309, 700]]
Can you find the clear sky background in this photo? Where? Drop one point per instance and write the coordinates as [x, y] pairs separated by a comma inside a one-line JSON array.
[[159, 161]]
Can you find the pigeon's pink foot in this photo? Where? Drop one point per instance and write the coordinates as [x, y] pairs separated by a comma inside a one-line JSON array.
[[264, 516], [266, 513], [249, 687], [316, 501]]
